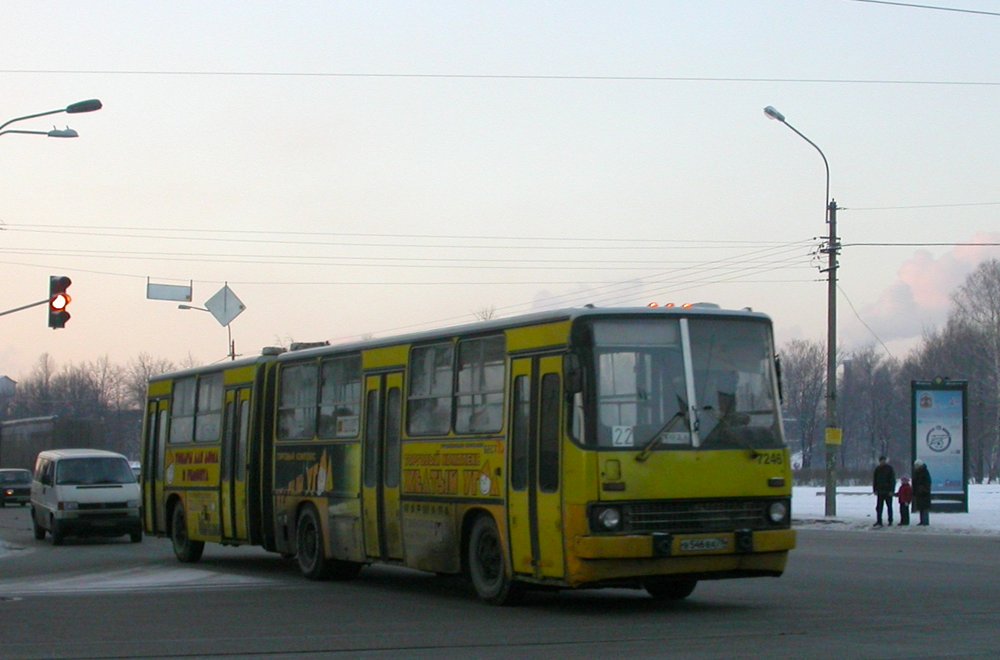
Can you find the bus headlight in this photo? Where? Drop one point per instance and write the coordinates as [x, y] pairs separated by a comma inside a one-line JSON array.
[[777, 512], [608, 519]]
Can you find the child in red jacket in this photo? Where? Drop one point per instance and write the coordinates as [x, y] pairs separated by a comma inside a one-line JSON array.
[[905, 496]]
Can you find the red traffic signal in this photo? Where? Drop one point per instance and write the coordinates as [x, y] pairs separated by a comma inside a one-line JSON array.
[[58, 300]]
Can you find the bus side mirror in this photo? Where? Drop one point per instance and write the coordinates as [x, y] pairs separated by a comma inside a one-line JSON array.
[[572, 373]]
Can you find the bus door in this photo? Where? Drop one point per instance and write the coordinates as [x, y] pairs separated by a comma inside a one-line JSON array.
[[233, 464], [534, 511], [381, 471], [157, 414]]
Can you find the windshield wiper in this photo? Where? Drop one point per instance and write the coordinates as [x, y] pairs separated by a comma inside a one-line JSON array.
[[655, 440]]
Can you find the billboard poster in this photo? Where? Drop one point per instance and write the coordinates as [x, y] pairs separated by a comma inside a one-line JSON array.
[[939, 430]]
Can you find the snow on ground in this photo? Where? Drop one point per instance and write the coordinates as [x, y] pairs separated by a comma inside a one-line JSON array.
[[856, 511]]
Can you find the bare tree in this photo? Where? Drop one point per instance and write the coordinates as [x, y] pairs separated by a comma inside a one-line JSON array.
[[873, 409], [486, 313], [955, 352], [137, 375], [803, 367], [34, 395], [977, 307], [110, 383]]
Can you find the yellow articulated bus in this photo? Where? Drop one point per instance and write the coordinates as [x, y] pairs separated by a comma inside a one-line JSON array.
[[577, 448]]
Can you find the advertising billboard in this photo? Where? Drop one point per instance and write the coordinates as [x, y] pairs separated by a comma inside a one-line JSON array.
[[939, 432]]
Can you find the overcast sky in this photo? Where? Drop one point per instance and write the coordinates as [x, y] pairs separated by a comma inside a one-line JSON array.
[[364, 168]]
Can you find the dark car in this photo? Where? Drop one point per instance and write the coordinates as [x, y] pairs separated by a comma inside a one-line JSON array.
[[15, 487]]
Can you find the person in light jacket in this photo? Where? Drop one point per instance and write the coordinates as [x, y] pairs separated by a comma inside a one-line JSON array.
[[922, 491]]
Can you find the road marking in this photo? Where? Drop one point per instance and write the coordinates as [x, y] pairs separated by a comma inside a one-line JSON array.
[[132, 579]]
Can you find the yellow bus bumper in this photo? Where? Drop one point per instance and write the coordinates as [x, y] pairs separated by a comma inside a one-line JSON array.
[[641, 546], [716, 555]]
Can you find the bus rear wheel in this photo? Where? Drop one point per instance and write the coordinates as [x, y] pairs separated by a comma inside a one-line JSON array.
[[309, 545], [487, 568], [185, 549], [663, 588], [311, 551]]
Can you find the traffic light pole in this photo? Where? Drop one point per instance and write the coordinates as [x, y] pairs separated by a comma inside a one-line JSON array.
[[57, 301], [18, 309]]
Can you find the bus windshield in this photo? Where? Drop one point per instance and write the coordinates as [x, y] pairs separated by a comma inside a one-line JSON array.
[[710, 387]]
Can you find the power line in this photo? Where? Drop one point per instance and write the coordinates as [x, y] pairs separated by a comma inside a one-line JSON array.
[[919, 206], [381, 282], [862, 321], [934, 7], [489, 76], [718, 270], [559, 242], [325, 260], [920, 244]]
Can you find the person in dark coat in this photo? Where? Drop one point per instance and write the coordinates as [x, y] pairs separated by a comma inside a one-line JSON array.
[[884, 487], [905, 496], [922, 492]]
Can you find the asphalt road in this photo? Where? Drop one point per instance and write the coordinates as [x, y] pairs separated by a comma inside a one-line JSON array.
[[845, 595]]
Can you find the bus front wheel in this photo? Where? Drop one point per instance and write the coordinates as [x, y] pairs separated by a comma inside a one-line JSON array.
[[187, 551], [487, 568], [662, 588]]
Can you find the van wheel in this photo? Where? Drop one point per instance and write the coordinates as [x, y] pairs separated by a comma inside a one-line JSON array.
[[35, 527], [57, 533], [185, 549], [135, 537], [487, 568]]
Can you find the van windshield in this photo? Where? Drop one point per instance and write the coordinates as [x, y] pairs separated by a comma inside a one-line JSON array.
[[15, 477], [94, 470]]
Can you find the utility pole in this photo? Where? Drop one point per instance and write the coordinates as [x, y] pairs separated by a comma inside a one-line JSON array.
[[834, 435]]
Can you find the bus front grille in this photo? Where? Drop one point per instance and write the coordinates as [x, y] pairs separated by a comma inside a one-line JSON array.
[[692, 517]]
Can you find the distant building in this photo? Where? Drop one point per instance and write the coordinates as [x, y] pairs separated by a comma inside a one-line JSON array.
[[8, 388], [22, 439]]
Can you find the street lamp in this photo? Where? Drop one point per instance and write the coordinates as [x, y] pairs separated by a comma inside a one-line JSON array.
[[229, 330], [72, 109], [833, 436]]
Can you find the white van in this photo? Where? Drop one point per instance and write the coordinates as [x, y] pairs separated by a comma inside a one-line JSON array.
[[84, 492]]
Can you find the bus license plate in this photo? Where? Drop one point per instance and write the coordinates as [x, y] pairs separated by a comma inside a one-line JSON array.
[[703, 545]]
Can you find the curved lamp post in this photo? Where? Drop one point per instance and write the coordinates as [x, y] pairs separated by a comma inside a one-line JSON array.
[[232, 346], [74, 108], [833, 433]]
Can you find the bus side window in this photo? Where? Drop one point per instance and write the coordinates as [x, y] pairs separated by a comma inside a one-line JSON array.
[[548, 435], [519, 433], [430, 394], [392, 437]]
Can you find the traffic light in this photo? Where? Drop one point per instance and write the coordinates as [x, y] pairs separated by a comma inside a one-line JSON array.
[[58, 300]]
